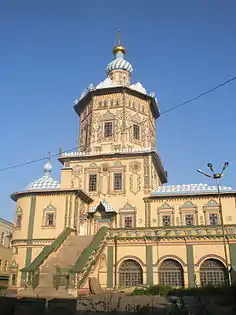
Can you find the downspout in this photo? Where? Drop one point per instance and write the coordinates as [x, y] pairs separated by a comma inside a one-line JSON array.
[[115, 241]]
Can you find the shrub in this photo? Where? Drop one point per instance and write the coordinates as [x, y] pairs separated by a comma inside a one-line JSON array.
[[158, 290], [152, 290], [202, 291], [139, 291]]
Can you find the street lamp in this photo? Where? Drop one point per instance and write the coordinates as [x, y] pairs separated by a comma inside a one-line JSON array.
[[217, 177]]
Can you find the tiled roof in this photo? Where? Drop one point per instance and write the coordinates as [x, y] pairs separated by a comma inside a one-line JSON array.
[[188, 189], [138, 87], [107, 206], [44, 182], [119, 64]]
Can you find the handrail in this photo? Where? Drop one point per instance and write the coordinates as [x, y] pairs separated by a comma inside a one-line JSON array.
[[93, 246], [47, 250]]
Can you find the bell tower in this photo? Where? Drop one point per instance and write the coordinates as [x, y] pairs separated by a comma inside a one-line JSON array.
[[117, 115]]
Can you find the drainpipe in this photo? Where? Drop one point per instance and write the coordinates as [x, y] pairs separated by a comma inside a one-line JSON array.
[[115, 240]]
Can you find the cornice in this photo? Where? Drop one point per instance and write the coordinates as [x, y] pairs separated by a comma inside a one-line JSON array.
[[112, 90], [57, 191]]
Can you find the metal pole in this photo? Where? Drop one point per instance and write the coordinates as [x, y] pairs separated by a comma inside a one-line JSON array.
[[223, 228]]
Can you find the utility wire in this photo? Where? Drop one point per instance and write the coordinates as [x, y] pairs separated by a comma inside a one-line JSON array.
[[162, 114], [198, 96]]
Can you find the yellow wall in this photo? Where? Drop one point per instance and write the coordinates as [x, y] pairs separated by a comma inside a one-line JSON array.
[[201, 211]]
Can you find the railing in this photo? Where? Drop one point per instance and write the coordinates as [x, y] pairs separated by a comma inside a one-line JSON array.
[[88, 258], [47, 250], [89, 153], [199, 231], [30, 274]]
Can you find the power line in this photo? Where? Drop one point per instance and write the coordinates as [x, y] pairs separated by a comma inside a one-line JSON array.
[[198, 96], [127, 128]]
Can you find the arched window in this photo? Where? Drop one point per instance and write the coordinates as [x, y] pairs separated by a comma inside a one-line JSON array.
[[213, 272], [130, 274], [171, 273]]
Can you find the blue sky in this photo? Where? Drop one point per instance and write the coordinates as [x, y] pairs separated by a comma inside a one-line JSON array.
[[51, 50]]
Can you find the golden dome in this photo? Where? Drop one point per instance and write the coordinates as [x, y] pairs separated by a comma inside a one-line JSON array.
[[118, 47]]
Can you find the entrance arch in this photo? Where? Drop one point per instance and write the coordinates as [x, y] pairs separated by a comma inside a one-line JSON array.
[[130, 273], [171, 273], [213, 272]]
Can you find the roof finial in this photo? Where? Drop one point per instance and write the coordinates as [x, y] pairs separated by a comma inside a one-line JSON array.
[[118, 49], [48, 165], [118, 37]]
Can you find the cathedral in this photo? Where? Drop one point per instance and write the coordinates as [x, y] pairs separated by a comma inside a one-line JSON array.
[[112, 217]]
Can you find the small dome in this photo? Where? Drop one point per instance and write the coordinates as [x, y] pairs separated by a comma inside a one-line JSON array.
[[46, 181], [47, 167], [119, 64]]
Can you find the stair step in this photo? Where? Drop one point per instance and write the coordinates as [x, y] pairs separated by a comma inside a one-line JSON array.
[[65, 257]]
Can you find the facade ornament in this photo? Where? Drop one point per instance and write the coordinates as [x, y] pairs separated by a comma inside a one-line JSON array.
[[135, 166]]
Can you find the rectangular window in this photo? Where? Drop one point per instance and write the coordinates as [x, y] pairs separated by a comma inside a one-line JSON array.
[[13, 279], [18, 220], [5, 266], [166, 220], [128, 222], [0, 264], [50, 219], [118, 181], [189, 219], [93, 182], [213, 220], [136, 132], [108, 129], [2, 238]]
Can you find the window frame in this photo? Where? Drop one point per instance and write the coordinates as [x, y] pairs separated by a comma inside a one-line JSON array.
[[167, 216], [5, 268], [215, 214], [185, 217], [96, 183], [137, 131], [110, 134], [47, 219], [49, 210], [130, 221], [121, 181], [18, 223]]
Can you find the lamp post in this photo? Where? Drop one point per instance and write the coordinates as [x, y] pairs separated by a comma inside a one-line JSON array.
[[217, 177]]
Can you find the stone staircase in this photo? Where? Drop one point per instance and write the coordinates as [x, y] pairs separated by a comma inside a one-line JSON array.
[[65, 257]]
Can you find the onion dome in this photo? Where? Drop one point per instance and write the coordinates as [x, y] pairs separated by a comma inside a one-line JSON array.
[[46, 181], [119, 63]]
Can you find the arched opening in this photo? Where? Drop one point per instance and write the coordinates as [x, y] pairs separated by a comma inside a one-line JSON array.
[[130, 273], [171, 273], [213, 272]]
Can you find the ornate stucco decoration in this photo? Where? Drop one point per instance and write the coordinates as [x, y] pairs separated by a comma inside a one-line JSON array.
[[76, 180], [135, 166], [135, 177]]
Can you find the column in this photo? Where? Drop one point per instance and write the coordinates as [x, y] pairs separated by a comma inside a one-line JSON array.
[[190, 264], [110, 262], [149, 263]]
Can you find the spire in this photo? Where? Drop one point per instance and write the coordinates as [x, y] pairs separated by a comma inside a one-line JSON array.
[[118, 50], [48, 165], [118, 38]]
